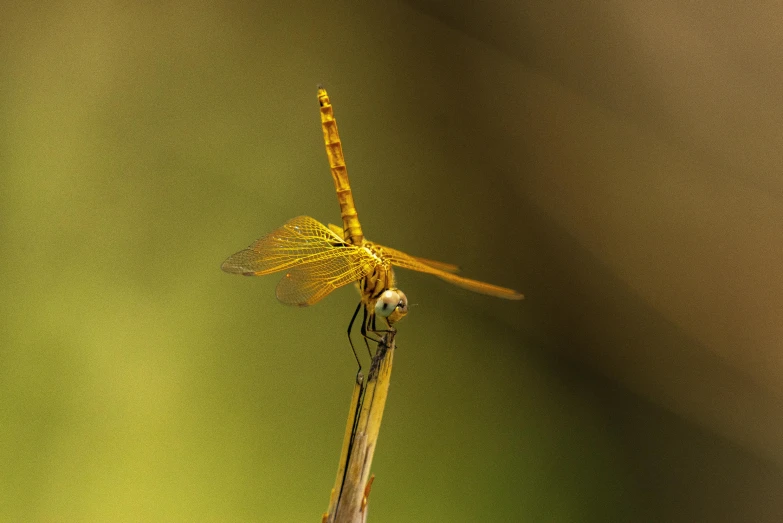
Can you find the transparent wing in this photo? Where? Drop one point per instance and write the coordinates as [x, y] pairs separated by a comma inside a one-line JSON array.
[[406, 261], [443, 266], [309, 283], [300, 240], [337, 230], [317, 260]]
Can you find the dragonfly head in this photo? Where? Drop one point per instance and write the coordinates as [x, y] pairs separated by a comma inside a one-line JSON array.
[[392, 305]]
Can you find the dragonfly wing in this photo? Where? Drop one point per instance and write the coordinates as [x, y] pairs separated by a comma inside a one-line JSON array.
[[443, 266], [309, 283], [300, 240], [337, 230], [406, 261]]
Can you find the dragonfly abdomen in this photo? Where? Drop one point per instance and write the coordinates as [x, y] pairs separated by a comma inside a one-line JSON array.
[[334, 152]]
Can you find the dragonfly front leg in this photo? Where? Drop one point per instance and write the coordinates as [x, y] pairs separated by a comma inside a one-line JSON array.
[[376, 330], [368, 321]]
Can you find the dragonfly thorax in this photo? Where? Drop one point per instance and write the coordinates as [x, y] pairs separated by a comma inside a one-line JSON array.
[[376, 253], [379, 276]]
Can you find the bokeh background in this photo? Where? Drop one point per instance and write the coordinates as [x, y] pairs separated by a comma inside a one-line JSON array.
[[618, 162]]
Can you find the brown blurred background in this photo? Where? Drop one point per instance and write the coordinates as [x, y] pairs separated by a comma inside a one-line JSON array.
[[617, 162]]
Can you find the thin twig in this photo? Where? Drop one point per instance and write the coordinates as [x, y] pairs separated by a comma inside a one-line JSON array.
[[348, 501], [353, 410]]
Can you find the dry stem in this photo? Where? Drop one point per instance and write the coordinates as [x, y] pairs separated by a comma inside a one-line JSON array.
[[348, 501]]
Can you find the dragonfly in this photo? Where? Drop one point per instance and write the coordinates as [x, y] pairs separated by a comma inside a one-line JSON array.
[[317, 259]]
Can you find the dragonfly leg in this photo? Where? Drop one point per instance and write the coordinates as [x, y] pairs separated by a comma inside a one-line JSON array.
[[350, 327], [365, 321], [376, 330]]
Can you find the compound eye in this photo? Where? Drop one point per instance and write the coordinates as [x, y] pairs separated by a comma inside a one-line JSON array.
[[402, 305], [388, 301]]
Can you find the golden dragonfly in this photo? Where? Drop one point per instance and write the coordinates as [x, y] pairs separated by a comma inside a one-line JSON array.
[[319, 259]]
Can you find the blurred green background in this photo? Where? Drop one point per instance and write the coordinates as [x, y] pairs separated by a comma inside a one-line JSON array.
[[618, 164]]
